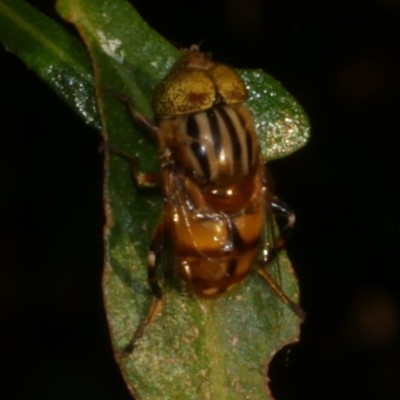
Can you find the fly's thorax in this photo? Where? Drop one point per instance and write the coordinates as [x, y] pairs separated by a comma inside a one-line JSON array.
[[204, 122], [217, 147]]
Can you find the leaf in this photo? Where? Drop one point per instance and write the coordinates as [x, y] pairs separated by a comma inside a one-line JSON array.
[[55, 55], [213, 349], [195, 349], [280, 122]]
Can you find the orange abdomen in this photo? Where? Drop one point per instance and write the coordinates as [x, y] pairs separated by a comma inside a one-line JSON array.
[[215, 250]]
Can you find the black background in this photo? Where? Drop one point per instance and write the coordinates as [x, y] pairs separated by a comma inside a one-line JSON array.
[[341, 60]]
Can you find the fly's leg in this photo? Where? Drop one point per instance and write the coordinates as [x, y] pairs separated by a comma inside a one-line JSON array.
[[285, 219], [142, 179], [152, 277], [140, 118], [148, 180], [274, 285]]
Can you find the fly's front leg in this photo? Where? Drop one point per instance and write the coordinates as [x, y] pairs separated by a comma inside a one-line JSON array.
[[142, 179], [140, 118], [285, 219], [152, 277]]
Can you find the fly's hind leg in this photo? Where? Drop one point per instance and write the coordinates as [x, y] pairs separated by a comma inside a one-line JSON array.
[[152, 277], [285, 219], [274, 285]]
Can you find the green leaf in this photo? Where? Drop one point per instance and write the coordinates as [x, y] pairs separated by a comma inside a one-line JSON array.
[[55, 55], [194, 349], [280, 122]]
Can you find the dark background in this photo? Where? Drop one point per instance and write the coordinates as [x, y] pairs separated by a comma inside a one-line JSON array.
[[341, 60]]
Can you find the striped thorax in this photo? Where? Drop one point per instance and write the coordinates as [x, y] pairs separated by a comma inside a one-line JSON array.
[[217, 146]]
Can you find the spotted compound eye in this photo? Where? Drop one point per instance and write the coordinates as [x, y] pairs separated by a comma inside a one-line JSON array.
[[196, 84], [229, 84]]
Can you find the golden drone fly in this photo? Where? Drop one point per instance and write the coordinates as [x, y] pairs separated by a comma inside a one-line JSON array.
[[216, 185]]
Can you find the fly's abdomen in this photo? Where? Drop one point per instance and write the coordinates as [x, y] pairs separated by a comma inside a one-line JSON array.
[[214, 253]]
